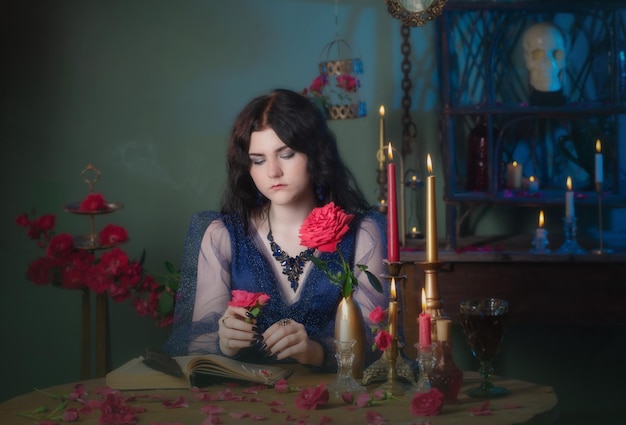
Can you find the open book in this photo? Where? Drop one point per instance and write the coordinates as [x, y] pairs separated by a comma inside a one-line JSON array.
[[198, 371]]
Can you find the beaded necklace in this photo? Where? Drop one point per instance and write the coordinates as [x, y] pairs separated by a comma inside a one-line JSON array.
[[292, 266]]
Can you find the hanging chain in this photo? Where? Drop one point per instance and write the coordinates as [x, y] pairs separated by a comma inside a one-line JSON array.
[[409, 129]]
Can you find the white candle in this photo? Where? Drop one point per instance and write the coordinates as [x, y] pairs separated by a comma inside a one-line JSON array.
[[514, 175], [599, 171], [569, 201], [381, 136], [533, 184], [540, 235]]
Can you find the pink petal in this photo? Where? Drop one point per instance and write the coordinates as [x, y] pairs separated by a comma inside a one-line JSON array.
[[240, 415], [258, 418], [211, 409], [276, 403], [212, 420]]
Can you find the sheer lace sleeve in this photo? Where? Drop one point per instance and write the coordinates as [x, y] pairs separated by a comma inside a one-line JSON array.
[[370, 250], [213, 288]]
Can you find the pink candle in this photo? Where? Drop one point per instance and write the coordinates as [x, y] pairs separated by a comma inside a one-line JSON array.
[[424, 324], [393, 244]]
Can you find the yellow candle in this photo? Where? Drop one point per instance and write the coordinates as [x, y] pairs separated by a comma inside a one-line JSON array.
[[432, 255], [393, 310]]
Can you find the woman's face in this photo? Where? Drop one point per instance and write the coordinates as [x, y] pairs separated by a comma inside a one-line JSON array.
[[279, 172]]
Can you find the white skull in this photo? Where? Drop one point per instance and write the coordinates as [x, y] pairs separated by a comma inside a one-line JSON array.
[[544, 54]]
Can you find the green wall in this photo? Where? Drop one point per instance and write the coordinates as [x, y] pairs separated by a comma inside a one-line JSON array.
[[147, 91]]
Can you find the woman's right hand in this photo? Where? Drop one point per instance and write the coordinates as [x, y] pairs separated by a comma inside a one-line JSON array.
[[237, 330]]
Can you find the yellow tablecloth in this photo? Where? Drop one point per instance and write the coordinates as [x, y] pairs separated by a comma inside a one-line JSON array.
[[527, 403]]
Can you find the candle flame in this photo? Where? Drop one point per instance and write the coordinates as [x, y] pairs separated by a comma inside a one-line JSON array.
[[515, 163], [414, 229], [423, 300], [598, 146], [381, 111], [383, 201], [393, 289], [389, 152], [541, 220], [531, 178], [429, 164], [569, 183]]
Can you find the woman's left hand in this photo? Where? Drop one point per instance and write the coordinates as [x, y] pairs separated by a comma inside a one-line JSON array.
[[288, 338]]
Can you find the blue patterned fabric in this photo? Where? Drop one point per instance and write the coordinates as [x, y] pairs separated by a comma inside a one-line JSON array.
[[250, 271]]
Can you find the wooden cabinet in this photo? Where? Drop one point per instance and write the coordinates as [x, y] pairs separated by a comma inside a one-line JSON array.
[[492, 117]]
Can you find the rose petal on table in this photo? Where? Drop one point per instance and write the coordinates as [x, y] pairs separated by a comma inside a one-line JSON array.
[[179, 402], [211, 409], [374, 418], [240, 415]]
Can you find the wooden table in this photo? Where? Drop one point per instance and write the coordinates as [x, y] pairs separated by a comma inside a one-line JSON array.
[[527, 403]]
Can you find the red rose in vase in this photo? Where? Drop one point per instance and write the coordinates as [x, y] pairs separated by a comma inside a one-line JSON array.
[[323, 229]]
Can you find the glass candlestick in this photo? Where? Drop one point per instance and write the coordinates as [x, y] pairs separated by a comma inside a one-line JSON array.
[[570, 246], [540, 241], [426, 362], [345, 381]]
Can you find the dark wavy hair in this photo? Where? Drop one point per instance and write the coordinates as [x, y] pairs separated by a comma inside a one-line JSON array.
[[301, 126]]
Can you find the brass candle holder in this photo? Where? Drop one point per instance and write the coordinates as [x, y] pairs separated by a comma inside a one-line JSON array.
[[434, 305], [398, 373]]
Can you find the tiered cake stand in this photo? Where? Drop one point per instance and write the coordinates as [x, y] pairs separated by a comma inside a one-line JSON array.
[[89, 242]]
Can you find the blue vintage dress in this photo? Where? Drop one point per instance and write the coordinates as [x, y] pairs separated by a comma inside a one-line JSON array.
[[248, 268]]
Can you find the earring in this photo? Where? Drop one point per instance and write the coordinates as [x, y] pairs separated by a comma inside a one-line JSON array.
[[319, 191]]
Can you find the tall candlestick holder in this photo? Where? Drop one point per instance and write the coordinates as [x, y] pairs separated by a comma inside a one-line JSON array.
[[570, 246], [600, 250], [392, 367], [434, 304]]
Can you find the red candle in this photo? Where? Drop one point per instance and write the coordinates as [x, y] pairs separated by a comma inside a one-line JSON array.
[[424, 323], [393, 245]]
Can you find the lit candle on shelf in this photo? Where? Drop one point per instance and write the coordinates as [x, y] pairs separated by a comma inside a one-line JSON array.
[[514, 175], [424, 323], [599, 170], [540, 236], [533, 184], [393, 310], [569, 201], [432, 255], [393, 244], [381, 141]]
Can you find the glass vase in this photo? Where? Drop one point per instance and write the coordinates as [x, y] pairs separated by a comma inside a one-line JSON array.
[[345, 382], [446, 376]]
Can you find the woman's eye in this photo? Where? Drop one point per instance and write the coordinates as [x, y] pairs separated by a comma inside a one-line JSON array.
[[257, 161], [288, 155]]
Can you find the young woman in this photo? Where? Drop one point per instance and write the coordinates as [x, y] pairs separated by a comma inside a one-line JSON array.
[[283, 161]]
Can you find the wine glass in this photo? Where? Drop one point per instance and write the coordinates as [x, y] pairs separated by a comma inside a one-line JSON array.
[[483, 322]]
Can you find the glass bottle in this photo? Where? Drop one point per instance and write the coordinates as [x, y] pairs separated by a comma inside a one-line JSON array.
[[477, 171], [446, 376]]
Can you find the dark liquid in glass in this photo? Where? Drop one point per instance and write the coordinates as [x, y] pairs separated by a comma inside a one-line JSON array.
[[484, 334]]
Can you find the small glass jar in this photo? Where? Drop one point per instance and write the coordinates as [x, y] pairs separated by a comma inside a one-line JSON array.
[[446, 376]]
